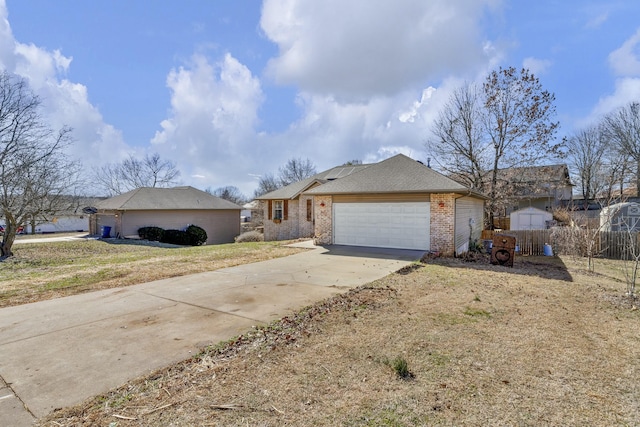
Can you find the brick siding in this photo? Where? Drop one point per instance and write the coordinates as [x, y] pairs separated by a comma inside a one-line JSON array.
[[443, 223], [323, 233]]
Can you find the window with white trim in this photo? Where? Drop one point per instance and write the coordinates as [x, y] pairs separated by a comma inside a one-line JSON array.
[[278, 209]]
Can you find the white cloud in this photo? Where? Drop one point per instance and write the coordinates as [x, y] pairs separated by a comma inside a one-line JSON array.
[[626, 90], [625, 60], [332, 133], [64, 103], [536, 66], [596, 21], [211, 129], [409, 116], [355, 50], [624, 63], [364, 76]]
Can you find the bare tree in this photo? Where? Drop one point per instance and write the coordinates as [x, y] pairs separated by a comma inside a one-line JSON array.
[[506, 123], [295, 170], [631, 259], [518, 120], [33, 166], [617, 174], [267, 183], [622, 127], [58, 189], [230, 193], [132, 173], [586, 150], [459, 145]]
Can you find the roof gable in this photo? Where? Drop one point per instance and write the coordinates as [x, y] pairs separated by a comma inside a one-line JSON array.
[[176, 198]]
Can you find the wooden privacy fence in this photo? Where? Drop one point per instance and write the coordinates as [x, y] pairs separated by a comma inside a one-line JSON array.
[[573, 241]]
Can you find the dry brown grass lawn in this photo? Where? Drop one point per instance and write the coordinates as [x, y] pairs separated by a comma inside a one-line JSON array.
[[41, 271], [544, 343]]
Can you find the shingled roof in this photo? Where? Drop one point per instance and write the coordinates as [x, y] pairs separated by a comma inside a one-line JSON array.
[[398, 174], [293, 190], [535, 174], [176, 198]]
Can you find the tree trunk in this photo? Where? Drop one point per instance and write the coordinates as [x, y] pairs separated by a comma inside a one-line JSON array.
[[7, 241], [637, 180], [9, 235]]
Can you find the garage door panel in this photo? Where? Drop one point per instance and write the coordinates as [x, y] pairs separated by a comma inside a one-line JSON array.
[[392, 225]]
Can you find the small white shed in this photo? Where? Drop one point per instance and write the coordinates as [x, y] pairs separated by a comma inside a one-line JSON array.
[[620, 217], [530, 219]]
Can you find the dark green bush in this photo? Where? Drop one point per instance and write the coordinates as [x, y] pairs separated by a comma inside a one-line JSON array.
[[176, 237], [153, 234], [197, 234]]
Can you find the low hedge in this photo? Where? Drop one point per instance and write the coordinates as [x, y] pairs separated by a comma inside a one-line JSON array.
[[153, 234], [192, 236], [176, 237]]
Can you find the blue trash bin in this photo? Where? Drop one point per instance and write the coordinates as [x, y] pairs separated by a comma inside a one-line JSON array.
[[106, 232]]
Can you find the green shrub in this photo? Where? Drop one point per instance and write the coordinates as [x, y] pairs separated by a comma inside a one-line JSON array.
[[250, 236], [151, 233], [197, 234], [400, 366], [176, 237]]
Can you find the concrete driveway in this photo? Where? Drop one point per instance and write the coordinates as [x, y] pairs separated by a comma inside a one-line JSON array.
[[60, 352]]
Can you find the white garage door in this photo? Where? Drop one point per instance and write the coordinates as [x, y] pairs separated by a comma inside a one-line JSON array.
[[403, 225]]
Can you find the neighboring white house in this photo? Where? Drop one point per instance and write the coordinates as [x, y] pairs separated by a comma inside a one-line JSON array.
[[245, 213], [63, 223], [530, 219], [620, 217]]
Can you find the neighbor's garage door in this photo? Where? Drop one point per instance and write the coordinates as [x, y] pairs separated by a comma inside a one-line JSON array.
[[403, 225]]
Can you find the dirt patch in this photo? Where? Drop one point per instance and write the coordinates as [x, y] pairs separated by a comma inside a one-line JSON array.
[[485, 346]]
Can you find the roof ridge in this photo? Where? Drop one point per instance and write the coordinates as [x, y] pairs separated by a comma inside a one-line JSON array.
[[131, 195]]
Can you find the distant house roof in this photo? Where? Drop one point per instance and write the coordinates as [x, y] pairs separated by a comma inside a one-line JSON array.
[[176, 198], [251, 205], [532, 174], [398, 174], [293, 190]]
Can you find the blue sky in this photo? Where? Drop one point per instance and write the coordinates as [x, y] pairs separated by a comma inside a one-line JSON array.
[[232, 89]]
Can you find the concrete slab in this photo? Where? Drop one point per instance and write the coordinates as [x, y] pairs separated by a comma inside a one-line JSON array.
[[57, 353]]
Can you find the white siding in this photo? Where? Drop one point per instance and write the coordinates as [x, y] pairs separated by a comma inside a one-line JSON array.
[[469, 222], [530, 219]]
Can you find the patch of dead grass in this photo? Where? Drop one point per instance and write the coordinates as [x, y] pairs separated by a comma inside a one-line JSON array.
[[549, 351]]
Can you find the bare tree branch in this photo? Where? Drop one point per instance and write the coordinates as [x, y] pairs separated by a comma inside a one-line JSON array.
[[230, 193], [132, 173], [35, 174], [622, 128], [505, 123]]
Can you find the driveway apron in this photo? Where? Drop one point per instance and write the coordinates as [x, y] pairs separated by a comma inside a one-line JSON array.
[[60, 352]]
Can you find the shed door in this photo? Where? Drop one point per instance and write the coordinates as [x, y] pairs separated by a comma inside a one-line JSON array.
[[402, 225], [532, 221]]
